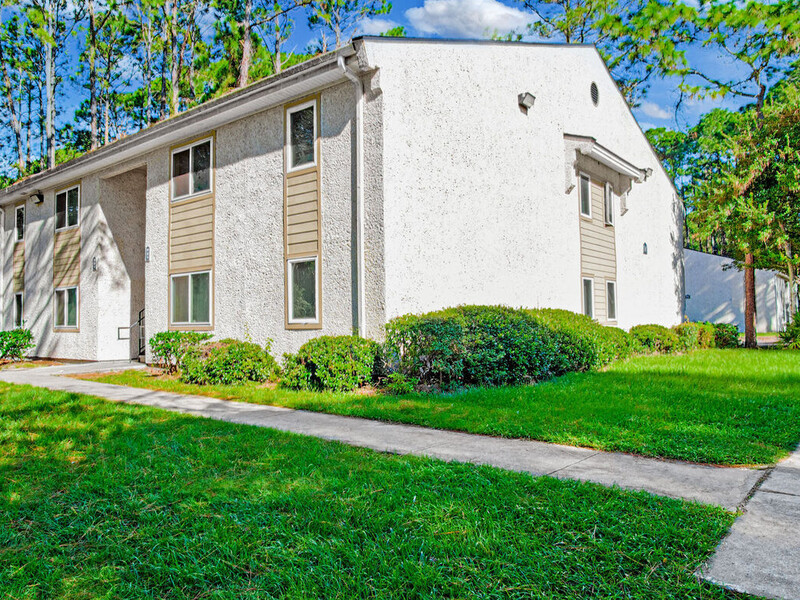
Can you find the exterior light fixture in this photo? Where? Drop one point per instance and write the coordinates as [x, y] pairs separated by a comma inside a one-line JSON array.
[[36, 197], [94, 263], [526, 100], [147, 254], [644, 248]]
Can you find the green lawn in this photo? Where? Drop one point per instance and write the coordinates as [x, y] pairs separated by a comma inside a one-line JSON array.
[[713, 406], [105, 500]]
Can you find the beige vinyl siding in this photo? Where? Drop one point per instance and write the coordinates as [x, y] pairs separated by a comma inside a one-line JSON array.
[[67, 258], [302, 213], [19, 267], [598, 250], [191, 235]]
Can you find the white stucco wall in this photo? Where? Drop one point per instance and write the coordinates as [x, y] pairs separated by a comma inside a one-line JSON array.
[[111, 221], [248, 229], [475, 209], [715, 290]]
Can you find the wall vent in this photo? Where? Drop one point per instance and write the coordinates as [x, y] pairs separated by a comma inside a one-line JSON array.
[[595, 93]]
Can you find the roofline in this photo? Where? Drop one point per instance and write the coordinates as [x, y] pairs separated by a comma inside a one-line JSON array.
[[257, 96], [466, 41]]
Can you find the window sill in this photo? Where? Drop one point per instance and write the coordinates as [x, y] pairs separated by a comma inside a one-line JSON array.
[[60, 229], [307, 326], [193, 197], [191, 327], [66, 329]]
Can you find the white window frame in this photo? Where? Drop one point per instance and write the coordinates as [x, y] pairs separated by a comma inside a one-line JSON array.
[[66, 308], [290, 284], [583, 296], [66, 191], [190, 323], [21, 207], [608, 204], [580, 198], [289, 112], [19, 319], [211, 169], [611, 285]]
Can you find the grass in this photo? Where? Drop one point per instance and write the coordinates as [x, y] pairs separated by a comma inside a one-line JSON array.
[[727, 407], [105, 500]]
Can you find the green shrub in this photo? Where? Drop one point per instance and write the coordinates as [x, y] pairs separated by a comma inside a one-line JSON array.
[[726, 335], [170, 347], [656, 338], [338, 363], [693, 336], [497, 345], [790, 337], [15, 343], [228, 362], [428, 347], [582, 343], [398, 384]]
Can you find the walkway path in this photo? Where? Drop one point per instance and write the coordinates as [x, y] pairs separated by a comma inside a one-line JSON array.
[[726, 487]]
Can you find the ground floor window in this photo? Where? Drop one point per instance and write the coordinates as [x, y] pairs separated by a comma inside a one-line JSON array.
[[588, 297], [303, 290], [190, 298], [18, 305], [66, 307], [611, 300]]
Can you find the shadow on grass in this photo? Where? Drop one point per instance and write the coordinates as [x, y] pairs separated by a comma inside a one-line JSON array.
[[103, 499]]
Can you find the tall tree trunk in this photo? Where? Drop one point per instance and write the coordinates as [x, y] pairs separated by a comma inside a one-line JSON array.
[[750, 337], [277, 61], [164, 63], [50, 85], [176, 63], [147, 38], [247, 46], [16, 126], [92, 74], [29, 126]]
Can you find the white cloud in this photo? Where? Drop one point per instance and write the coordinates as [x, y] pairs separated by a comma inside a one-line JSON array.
[[376, 26], [467, 18], [651, 109]]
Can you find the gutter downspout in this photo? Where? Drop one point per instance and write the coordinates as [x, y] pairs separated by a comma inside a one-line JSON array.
[[359, 141], [3, 265]]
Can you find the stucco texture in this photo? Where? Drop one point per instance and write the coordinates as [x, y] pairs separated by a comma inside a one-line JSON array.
[[475, 209]]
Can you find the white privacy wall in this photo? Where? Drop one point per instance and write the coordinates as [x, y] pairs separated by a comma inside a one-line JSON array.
[[715, 290], [475, 209]]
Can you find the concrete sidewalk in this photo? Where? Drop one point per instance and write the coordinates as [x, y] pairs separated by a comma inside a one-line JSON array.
[[761, 555], [727, 487]]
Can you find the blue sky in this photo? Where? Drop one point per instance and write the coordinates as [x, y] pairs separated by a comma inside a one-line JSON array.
[[463, 19]]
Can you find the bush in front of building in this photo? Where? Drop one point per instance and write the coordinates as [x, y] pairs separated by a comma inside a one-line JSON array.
[[694, 336], [582, 343], [228, 362], [498, 345], [170, 347], [338, 363], [726, 335], [15, 343], [656, 338]]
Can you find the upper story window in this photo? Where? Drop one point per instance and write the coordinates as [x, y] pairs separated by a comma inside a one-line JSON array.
[[301, 135], [585, 191], [19, 217], [608, 204], [68, 203], [191, 169]]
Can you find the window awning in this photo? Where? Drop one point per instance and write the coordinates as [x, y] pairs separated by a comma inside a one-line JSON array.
[[588, 146]]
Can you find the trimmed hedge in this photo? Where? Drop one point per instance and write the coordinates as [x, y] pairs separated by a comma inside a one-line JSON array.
[[656, 338], [15, 343], [228, 362], [497, 345], [338, 363], [170, 347], [726, 335], [693, 336]]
